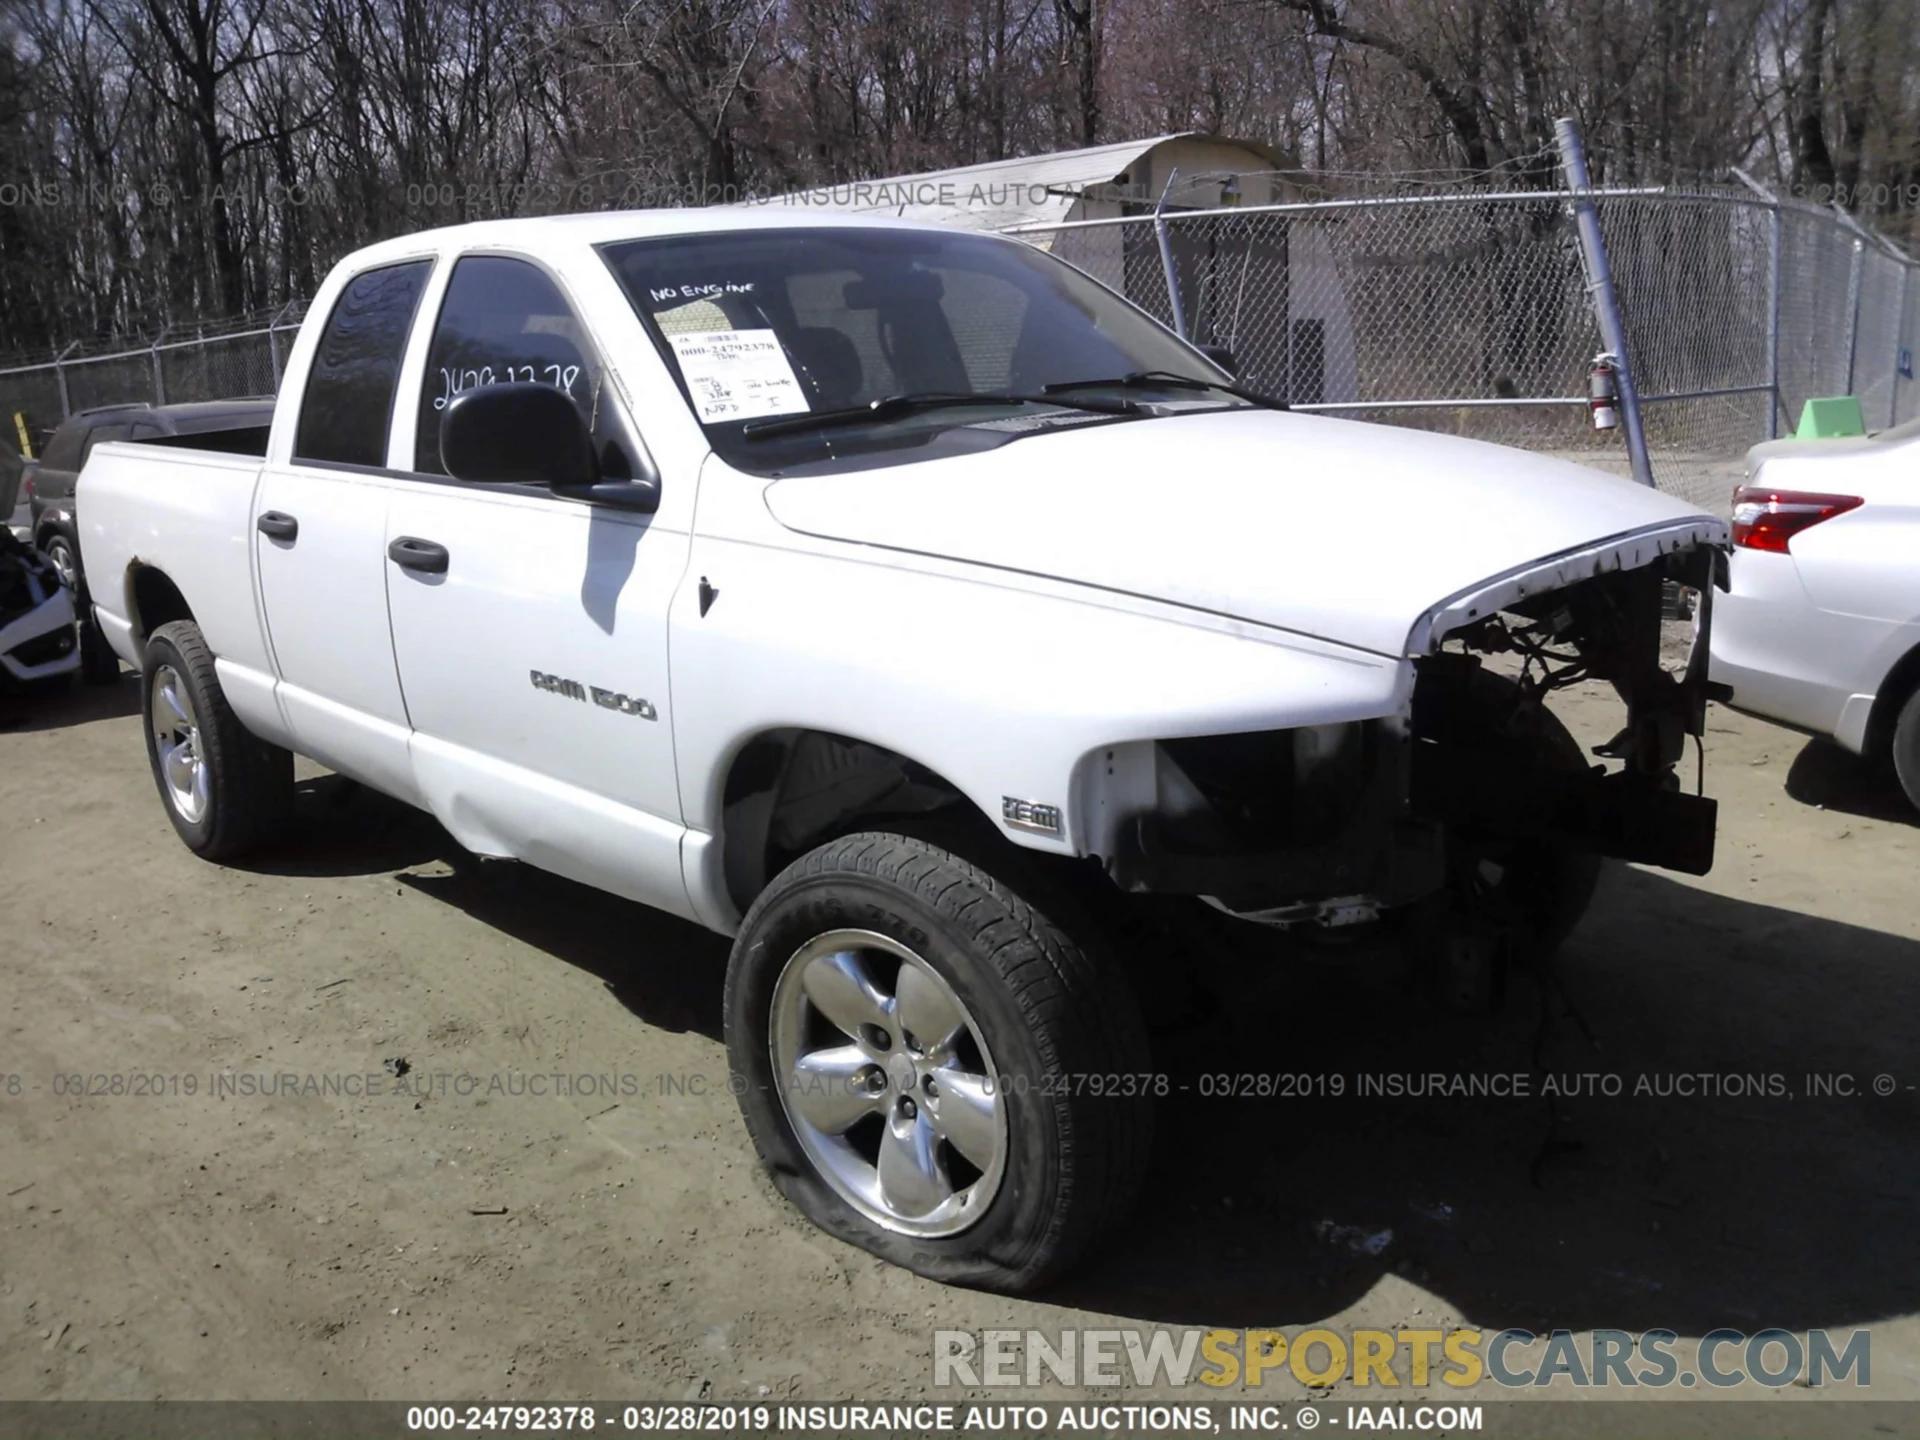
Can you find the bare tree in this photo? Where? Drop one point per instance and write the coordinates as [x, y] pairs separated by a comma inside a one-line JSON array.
[[183, 159]]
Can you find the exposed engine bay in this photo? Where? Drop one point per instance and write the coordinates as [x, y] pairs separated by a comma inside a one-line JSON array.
[[1334, 825]]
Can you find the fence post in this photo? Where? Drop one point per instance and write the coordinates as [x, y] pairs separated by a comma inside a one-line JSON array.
[[273, 341], [1774, 226], [153, 359], [1606, 308], [60, 379], [1853, 287], [1853, 310], [1166, 256], [1899, 337]]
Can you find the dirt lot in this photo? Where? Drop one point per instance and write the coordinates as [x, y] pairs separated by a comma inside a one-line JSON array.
[[211, 1241]]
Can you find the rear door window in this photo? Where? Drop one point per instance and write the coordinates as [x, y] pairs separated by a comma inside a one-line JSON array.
[[63, 450], [348, 406]]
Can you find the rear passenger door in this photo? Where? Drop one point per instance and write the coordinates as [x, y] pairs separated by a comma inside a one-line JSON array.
[[533, 650], [320, 538]]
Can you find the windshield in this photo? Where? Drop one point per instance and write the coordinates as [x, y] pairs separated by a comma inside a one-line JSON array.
[[759, 324]]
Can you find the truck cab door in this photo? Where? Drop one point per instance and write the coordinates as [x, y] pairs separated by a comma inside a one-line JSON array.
[[320, 519], [530, 630]]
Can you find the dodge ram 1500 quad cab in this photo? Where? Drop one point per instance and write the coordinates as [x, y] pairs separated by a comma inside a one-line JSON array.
[[896, 601]]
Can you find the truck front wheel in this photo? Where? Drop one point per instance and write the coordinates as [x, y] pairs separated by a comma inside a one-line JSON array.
[[226, 790], [931, 1068]]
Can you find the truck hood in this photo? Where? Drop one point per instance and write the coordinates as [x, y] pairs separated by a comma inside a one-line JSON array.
[[1366, 535]]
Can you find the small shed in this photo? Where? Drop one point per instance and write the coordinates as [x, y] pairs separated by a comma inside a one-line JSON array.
[[1250, 281]]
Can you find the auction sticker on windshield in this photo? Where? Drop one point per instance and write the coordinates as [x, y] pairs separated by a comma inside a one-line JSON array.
[[737, 374]]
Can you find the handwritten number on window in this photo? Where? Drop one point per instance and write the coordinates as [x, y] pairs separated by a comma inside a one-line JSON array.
[[457, 382]]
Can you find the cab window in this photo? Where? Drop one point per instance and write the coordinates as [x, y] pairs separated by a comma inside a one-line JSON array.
[[63, 451], [348, 406], [505, 321]]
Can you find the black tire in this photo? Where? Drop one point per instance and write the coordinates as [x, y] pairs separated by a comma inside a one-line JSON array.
[[248, 782], [1052, 1009], [1545, 885], [65, 555], [1906, 748], [98, 664]]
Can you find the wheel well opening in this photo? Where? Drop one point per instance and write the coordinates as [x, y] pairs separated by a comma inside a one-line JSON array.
[[1900, 683], [789, 790], [152, 601]]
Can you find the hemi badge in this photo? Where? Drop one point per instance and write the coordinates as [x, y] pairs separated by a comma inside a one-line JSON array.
[[1030, 815]]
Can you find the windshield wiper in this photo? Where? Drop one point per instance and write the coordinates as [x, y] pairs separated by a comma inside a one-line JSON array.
[[1167, 380], [891, 407]]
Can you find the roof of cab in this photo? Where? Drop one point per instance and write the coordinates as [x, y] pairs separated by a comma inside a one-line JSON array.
[[192, 413], [604, 226]]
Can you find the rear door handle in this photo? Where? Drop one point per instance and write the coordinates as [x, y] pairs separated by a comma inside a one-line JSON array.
[[277, 525], [412, 553]]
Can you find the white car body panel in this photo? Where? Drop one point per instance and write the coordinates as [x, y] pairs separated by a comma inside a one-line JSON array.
[[340, 689], [53, 612], [1014, 683], [512, 769], [1245, 513], [186, 512], [1005, 620], [1810, 637]]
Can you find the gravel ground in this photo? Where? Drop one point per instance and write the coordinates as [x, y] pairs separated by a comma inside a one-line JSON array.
[[537, 1239]]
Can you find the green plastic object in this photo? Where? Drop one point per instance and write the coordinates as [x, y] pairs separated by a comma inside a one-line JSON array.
[[1830, 419]]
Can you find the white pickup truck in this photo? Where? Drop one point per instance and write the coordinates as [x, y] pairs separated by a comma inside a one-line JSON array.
[[904, 604]]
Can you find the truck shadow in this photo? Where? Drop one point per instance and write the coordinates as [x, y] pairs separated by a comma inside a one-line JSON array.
[[1746, 1173], [343, 828], [1825, 775], [1730, 1181], [668, 972], [77, 705]]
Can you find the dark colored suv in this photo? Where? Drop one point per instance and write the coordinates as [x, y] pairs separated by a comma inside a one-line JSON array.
[[49, 483]]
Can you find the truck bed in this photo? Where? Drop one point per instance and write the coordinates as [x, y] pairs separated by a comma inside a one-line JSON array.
[[236, 440], [184, 507]]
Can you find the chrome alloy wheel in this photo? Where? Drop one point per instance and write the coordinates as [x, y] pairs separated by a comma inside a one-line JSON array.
[[888, 1084], [60, 555], [176, 745]]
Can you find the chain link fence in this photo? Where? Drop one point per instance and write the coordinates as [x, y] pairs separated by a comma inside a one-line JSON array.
[[1465, 311], [1470, 313], [218, 363]]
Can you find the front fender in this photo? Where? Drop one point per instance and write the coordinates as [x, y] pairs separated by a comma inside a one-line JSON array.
[[1009, 690]]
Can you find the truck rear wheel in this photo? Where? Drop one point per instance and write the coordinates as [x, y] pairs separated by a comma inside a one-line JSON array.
[[931, 1068], [226, 790]]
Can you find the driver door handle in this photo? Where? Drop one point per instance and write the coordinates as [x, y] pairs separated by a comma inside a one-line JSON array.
[[278, 525], [410, 552]]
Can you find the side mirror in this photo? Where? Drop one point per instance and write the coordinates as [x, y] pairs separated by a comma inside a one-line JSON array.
[[517, 434], [1221, 356]]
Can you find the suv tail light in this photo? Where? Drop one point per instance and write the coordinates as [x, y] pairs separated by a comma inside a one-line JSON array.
[[1766, 519]]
